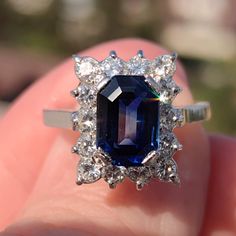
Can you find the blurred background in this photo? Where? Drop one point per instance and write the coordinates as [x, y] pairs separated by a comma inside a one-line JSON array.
[[36, 35]]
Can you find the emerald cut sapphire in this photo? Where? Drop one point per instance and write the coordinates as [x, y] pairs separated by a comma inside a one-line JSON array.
[[127, 119]]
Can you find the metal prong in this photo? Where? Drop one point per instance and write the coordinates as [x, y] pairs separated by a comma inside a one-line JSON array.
[[176, 90], [112, 185], [139, 185], [174, 56], [150, 156], [74, 92], [79, 181], [180, 146], [177, 147], [175, 179], [113, 54], [140, 53], [76, 58], [74, 149], [103, 83]]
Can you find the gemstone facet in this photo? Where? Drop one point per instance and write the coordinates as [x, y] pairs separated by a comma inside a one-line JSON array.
[[127, 120], [88, 172]]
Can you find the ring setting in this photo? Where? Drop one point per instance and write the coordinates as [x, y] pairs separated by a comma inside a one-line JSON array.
[[126, 119]]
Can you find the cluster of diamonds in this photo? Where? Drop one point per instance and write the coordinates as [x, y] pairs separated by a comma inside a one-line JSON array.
[[94, 164]]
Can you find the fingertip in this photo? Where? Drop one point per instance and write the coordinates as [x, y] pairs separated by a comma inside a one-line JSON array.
[[31, 141]]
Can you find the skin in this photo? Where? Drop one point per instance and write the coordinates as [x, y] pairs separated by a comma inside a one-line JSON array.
[[37, 171]]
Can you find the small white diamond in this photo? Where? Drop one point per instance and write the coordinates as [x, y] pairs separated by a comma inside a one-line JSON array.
[[85, 67], [164, 96], [86, 145], [114, 174], [141, 174], [88, 70], [98, 78], [113, 66], [138, 66], [168, 144], [178, 116], [86, 120], [163, 66], [86, 94], [166, 170], [168, 89], [88, 171], [101, 157], [170, 117]]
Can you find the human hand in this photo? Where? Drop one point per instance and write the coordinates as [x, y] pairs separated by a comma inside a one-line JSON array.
[[37, 172]]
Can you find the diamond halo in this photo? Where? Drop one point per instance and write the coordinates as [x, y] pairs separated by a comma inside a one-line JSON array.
[[94, 163]]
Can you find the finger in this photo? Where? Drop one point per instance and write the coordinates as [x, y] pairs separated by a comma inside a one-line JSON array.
[[57, 203], [22, 127], [220, 218]]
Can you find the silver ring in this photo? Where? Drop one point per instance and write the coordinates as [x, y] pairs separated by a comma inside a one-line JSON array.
[[126, 119]]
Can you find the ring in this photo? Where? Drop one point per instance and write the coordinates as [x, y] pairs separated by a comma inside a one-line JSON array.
[[126, 119]]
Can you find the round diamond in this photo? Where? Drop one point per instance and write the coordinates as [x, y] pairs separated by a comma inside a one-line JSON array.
[[88, 70], [166, 170], [170, 117], [88, 171], [168, 89], [164, 66], [114, 174], [86, 145], [86, 120], [86, 94], [141, 174], [113, 66], [158, 169], [85, 67], [138, 66], [168, 144]]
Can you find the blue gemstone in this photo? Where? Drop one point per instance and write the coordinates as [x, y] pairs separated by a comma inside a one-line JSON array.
[[127, 120]]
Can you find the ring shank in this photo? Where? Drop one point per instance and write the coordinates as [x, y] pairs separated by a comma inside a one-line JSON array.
[[192, 113], [197, 112], [58, 118]]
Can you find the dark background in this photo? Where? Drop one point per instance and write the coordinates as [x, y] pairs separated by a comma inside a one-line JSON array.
[[36, 35]]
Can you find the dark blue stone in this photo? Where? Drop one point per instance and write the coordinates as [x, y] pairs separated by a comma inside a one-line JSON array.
[[127, 120]]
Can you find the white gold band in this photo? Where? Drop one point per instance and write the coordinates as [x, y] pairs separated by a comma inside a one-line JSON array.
[[192, 113], [200, 111]]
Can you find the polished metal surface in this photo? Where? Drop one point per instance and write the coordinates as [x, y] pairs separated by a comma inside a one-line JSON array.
[[192, 113], [197, 112]]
